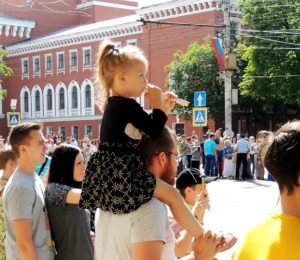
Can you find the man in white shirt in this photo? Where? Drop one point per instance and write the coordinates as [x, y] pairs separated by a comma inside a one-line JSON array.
[[243, 148], [146, 234]]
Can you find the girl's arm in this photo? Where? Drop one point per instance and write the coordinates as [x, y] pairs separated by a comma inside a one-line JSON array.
[[171, 196]]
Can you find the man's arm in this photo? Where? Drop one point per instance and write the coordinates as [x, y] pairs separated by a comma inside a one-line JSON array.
[[151, 250], [22, 230]]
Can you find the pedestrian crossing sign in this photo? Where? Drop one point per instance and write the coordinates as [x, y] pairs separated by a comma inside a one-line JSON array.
[[13, 118], [200, 116]]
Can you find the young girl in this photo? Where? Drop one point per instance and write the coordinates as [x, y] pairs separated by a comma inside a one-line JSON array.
[[8, 163], [116, 178]]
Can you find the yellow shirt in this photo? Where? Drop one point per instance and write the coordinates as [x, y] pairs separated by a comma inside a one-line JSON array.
[[277, 238]]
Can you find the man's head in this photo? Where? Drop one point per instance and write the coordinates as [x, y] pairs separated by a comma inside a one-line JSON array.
[[27, 142], [160, 155], [283, 157], [189, 183], [211, 135]]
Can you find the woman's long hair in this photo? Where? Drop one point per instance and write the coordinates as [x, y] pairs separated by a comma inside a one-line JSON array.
[[62, 166]]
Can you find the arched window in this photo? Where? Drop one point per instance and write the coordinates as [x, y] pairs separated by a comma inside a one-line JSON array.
[[61, 99], [49, 99], [26, 102], [88, 96], [37, 101], [74, 98]]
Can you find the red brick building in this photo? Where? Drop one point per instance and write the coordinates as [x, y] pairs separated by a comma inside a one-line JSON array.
[[52, 49]]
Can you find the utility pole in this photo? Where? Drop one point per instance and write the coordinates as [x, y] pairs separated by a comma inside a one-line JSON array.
[[228, 69]]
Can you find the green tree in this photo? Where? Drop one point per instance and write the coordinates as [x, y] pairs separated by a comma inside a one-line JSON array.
[[271, 51], [5, 71], [197, 70]]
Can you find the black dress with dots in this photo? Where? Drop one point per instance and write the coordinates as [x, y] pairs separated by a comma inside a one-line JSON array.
[[116, 178]]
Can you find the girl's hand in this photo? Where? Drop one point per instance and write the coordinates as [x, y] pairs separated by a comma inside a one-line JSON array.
[[155, 96], [169, 100]]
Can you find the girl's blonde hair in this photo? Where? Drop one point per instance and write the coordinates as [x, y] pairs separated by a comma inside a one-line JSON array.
[[109, 61], [6, 154]]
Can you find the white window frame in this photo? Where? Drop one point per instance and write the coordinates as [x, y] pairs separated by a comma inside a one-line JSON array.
[[38, 72], [74, 111], [63, 136], [48, 72], [25, 75], [73, 68], [72, 131], [22, 103], [49, 130], [49, 113], [58, 112], [132, 42], [35, 113], [86, 133], [60, 70], [85, 110], [86, 66]]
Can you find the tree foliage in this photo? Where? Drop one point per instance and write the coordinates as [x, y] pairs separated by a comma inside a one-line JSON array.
[[197, 70], [5, 71], [271, 49]]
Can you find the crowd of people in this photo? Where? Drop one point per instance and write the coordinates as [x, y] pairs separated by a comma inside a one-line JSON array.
[[237, 157], [142, 182]]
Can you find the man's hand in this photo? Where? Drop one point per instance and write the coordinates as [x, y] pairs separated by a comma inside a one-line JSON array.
[[206, 246]]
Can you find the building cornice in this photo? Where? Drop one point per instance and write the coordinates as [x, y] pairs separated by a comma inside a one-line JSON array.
[[178, 8], [60, 41], [11, 26]]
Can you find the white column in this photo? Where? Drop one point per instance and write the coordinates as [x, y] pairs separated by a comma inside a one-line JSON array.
[[14, 31], [21, 31], [7, 29]]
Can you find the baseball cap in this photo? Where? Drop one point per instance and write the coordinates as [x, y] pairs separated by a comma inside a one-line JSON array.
[[189, 177]]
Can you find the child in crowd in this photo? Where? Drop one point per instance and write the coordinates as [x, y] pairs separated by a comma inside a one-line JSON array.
[[116, 178], [228, 166], [8, 163]]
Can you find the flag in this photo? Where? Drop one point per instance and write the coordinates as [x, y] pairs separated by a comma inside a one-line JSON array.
[[217, 45]]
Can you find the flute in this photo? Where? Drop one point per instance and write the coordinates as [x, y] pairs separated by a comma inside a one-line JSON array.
[[179, 101]]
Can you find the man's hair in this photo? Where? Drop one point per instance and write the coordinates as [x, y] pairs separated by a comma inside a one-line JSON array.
[[20, 133], [283, 156], [62, 166], [155, 145], [6, 154]]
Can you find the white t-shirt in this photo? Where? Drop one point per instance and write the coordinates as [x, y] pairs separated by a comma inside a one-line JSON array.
[[116, 233]]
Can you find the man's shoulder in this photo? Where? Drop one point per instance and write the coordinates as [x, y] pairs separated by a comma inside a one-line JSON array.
[[153, 205]]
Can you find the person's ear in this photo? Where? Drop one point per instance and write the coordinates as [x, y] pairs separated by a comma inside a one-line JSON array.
[[162, 158], [188, 190], [121, 77], [22, 148]]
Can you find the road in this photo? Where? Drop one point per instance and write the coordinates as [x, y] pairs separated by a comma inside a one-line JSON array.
[[237, 205]]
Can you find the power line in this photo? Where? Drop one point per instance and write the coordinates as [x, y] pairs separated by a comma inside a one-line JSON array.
[[271, 40], [272, 76]]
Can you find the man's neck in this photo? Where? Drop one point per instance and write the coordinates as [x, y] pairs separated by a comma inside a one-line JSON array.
[[5, 175], [291, 203], [26, 167]]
